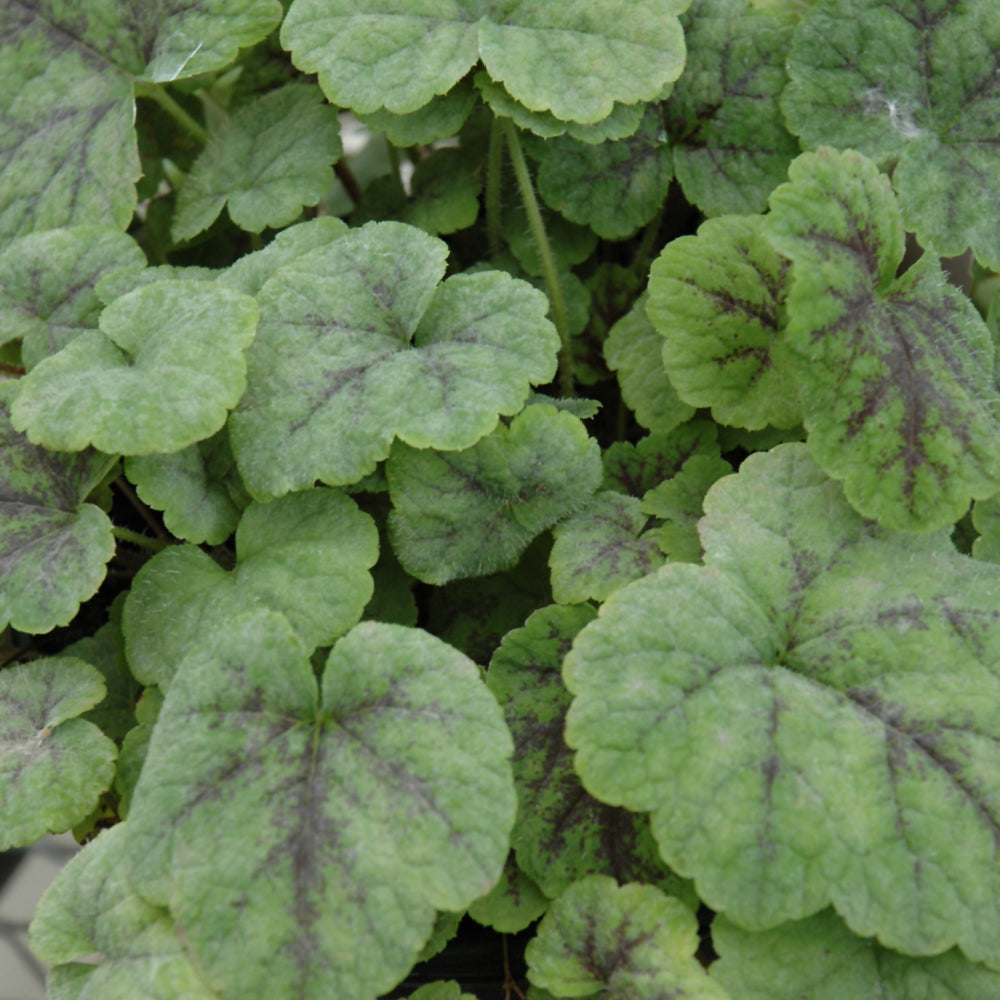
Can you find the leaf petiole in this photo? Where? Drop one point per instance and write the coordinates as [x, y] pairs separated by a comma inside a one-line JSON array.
[[157, 92]]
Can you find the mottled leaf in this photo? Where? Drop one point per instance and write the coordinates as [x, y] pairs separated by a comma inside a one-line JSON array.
[[473, 512], [731, 147], [843, 680], [718, 300], [169, 355], [986, 520], [271, 158], [820, 959], [53, 547], [306, 555], [47, 285], [359, 343], [512, 904], [629, 942], [601, 548], [915, 86], [53, 766], [575, 61], [613, 187], [91, 909], [637, 468], [268, 811], [561, 833], [894, 374]]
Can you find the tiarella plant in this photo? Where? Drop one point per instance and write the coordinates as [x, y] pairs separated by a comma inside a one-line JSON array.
[[527, 465]]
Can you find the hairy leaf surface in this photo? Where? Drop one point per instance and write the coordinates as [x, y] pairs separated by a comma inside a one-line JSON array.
[[894, 374], [807, 716], [359, 343], [53, 766], [268, 811]]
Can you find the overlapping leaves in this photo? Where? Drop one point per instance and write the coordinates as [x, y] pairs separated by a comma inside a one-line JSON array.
[[841, 677], [267, 816]]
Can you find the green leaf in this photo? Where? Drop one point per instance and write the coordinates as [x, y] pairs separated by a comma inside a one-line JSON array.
[[634, 349], [53, 766], [718, 299], [473, 512], [53, 547], [358, 344], [629, 942], [197, 489], [986, 520], [841, 678], [623, 120], [561, 833], [820, 959], [91, 908], [731, 147], [292, 799], [66, 101], [440, 118], [895, 374], [601, 548], [912, 88], [47, 282], [512, 904], [170, 356], [573, 61], [614, 187], [306, 555], [271, 158], [441, 990], [637, 468]]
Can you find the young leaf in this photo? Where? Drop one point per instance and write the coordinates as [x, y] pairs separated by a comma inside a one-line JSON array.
[[916, 88], [561, 833], [731, 147], [268, 811], [613, 187], [306, 555], [67, 105], [637, 468], [512, 904], [272, 157], [894, 374], [91, 908], [601, 548], [47, 285], [820, 959], [53, 766], [440, 990], [439, 118], [473, 512], [575, 62], [718, 299], [170, 356], [629, 942], [53, 547], [358, 344], [634, 349], [807, 716]]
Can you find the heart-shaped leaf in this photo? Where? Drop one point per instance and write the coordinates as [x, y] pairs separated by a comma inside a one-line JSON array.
[[844, 680], [170, 355], [358, 344], [53, 766], [268, 811]]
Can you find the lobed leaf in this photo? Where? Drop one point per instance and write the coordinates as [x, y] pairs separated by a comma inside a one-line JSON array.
[[839, 675], [894, 374], [474, 512], [169, 354], [53, 766], [268, 811], [358, 344]]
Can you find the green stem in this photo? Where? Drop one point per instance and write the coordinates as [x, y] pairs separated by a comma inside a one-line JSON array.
[[156, 92], [136, 539], [640, 263], [537, 225], [494, 177]]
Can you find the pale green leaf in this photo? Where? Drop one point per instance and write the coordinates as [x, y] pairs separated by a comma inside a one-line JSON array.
[[473, 512], [53, 766], [168, 355], [637, 468], [271, 158], [440, 118], [512, 904], [268, 813]]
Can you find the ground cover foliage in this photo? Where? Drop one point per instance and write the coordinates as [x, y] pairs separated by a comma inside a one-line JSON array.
[[530, 464]]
